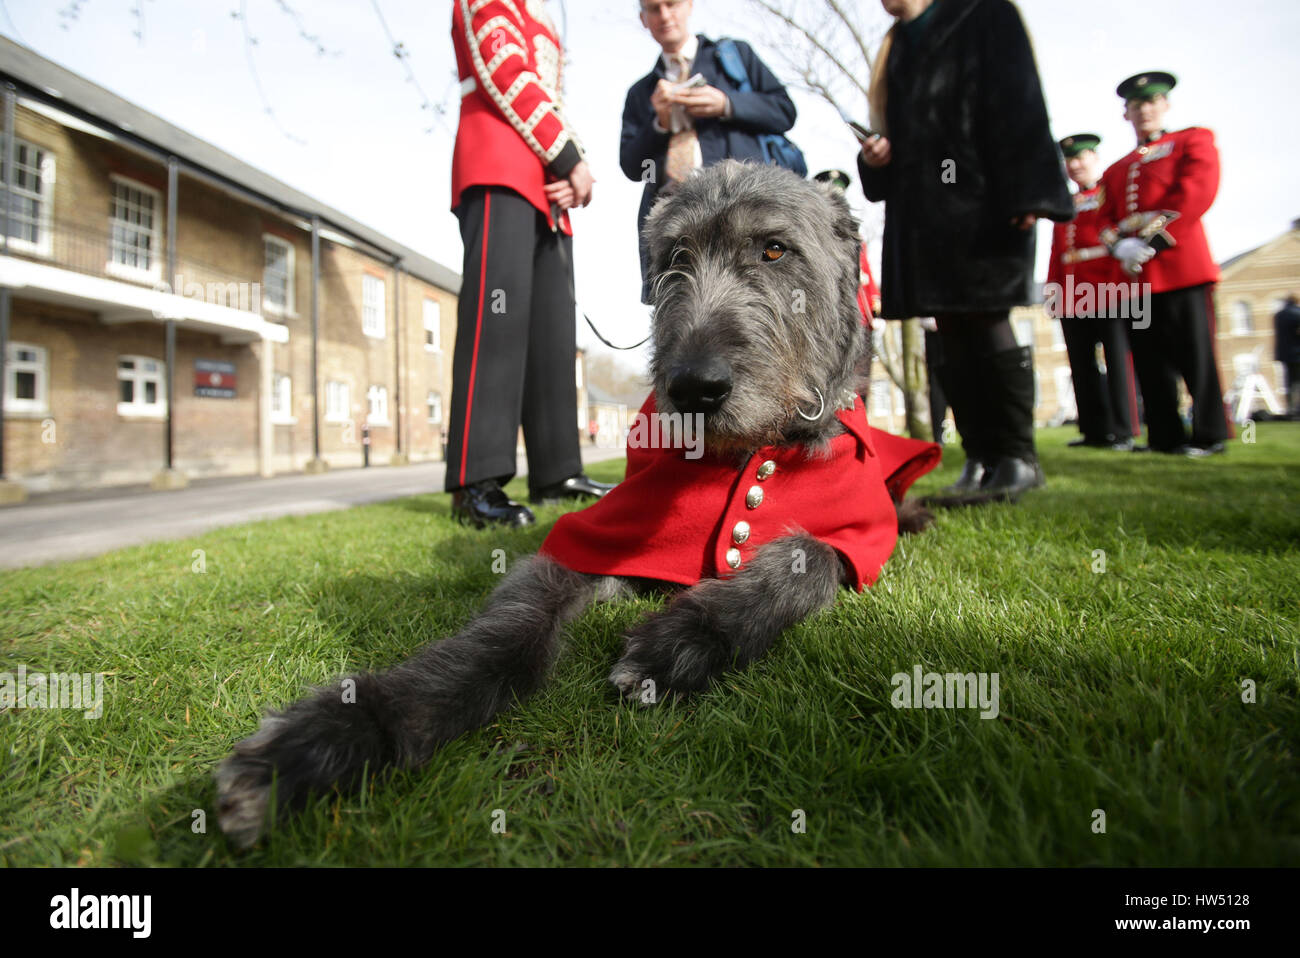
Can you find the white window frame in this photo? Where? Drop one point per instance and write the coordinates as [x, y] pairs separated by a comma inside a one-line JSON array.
[[377, 406], [1237, 329], [432, 325], [154, 271], [44, 231], [282, 400], [138, 407], [1058, 336], [40, 366], [268, 305], [433, 405], [1023, 328], [373, 302], [881, 398], [338, 401]]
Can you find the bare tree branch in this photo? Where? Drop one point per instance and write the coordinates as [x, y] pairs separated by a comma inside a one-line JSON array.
[[811, 36], [854, 31]]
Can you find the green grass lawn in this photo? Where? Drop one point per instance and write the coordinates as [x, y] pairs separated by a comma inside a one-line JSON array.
[[1120, 690]]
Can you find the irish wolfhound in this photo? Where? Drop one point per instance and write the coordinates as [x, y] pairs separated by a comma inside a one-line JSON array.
[[757, 338]]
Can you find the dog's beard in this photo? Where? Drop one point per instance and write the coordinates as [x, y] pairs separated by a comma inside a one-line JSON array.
[[765, 423]]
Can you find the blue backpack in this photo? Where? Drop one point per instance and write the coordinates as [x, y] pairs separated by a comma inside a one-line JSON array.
[[776, 148]]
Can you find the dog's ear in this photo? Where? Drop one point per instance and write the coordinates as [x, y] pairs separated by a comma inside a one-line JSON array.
[[654, 235], [841, 218]]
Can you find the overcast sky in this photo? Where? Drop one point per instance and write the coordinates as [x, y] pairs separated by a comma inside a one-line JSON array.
[[347, 127]]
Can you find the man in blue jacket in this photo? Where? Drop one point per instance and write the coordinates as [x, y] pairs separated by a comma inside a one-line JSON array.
[[670, 129]]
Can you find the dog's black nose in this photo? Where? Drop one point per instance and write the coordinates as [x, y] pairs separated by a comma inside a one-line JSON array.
[[700, 387]]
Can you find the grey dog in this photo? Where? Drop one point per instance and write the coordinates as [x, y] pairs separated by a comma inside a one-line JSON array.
[[729, 250]]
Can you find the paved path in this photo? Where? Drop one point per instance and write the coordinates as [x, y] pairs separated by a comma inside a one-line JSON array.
[[75, 525]]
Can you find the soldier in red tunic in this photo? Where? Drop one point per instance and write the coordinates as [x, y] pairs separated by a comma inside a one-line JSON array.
[[868, 291], [1151, 214], [516, 171], [1106, 402]]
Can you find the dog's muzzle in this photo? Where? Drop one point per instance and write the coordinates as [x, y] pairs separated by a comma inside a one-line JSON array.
[[699, 387]]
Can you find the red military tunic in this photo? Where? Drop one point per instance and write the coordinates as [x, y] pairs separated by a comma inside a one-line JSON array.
[[512, 130], [1178, 172], [1077, 249], [868, 291], [682, 520]]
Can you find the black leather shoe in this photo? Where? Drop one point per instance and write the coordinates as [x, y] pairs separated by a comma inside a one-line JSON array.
[[485, 502], [1009, 477], [1202, 452], [1113, 443], [969, 481], [575, 487]]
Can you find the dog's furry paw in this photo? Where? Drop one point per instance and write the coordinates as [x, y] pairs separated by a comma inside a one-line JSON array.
[[913, 517], [675, 652], [244, 782], [631, 681]]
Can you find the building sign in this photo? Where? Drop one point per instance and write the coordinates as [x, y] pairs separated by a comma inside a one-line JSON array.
[[214, 379]]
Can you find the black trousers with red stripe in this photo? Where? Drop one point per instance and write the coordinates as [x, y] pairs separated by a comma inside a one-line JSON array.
[[1179, 342], [1106, 402], [516, 342]]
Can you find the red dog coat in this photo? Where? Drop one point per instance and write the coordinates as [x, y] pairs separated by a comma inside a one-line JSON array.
[[682, 520]]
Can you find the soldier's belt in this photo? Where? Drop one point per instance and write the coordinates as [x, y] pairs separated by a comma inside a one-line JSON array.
[[1069, 257], [1148, 226]]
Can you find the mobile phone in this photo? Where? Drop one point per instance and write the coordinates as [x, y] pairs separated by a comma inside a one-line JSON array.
[[863, 134], [697, 80]]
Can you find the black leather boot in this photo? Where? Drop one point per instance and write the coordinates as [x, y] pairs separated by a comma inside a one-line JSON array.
[[485, 503], [1009, 413], [575, 487], [961, 385]]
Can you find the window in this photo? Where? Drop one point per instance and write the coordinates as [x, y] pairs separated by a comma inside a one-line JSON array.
[[282, 400], [29, 209], [377, 397], [1024, 330], [133, 230], [577, 371], [1058, 336], [27, 379], [432, 325], [338, 402], [140, 386], [277, 275], [372, 306], [1066, 407], [881, 400], [1242, 324], [435, 408]]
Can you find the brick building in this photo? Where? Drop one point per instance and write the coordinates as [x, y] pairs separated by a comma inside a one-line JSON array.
[[125, 232], [1252, 289]]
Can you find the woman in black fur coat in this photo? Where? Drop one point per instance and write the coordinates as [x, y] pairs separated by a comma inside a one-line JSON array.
[[966, 163]]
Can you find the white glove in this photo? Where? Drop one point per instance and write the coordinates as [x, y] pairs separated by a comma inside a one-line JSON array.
[[1132, 253]]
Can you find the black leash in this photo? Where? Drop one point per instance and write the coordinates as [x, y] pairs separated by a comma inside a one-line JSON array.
[[555, 218]]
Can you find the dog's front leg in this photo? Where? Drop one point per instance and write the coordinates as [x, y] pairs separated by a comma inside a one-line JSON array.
[[727, 623], [399, 716]]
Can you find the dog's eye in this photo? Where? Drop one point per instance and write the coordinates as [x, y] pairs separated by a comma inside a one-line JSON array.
[[773, 251]]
